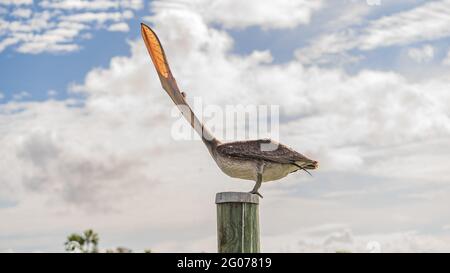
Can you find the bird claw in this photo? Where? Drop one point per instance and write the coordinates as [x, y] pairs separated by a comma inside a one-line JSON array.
[[256, 192]]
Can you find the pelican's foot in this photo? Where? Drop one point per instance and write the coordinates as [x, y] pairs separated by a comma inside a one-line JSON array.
[[256, 192]]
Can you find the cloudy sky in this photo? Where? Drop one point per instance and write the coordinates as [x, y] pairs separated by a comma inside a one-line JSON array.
[[362, 86]]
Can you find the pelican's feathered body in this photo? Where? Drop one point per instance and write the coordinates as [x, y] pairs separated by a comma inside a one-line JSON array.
[[240, 159], [260, 160]]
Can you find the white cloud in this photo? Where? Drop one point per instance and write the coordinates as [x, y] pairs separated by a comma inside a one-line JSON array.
[[24, 13], [421, 55], [401, 28], [432, 18], [60, 24], [56, 39], [241, 14], [79, 4], [7, 42], [100, 17], [16, 2], [38, 22], [52, 93], [39, 47], [446, 60], [9, 250], [121, 27], [92, 5], [343, 240], [1, 96], [21, 95], [105, 161], [355, 14], [86, 36]]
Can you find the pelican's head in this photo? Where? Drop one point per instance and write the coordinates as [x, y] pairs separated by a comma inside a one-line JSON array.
[[306, 164]]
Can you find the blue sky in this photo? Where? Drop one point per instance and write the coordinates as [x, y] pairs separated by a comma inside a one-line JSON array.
[[362, 88], [40, 73], [46, 71]]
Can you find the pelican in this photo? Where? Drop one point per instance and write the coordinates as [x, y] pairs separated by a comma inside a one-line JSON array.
[[259, 160]]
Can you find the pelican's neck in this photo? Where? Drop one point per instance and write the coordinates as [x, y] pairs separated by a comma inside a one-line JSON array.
[[179, 99], [210, 141], [207, 137]]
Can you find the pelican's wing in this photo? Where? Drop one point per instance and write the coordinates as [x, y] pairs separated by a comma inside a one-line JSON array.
[[263, 149], [159, 60]]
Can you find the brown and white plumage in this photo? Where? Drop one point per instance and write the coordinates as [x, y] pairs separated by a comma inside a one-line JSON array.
[[260, 160]]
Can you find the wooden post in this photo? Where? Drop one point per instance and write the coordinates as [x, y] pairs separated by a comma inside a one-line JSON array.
[[237, 222]]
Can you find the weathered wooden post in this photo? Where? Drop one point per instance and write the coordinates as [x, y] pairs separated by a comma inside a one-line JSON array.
[[237, 222]]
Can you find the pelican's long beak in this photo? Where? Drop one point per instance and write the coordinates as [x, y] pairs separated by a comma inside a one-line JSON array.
[[159, 60], [155, 50]]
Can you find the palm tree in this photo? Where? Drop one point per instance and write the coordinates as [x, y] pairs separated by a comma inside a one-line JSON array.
[[86, 243], [74, 243], [91, 240]]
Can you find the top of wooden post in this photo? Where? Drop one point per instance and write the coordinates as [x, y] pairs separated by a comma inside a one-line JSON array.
[[236, 197]]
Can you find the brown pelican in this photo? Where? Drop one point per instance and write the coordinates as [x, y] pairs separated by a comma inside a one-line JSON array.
[[259, 160]]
